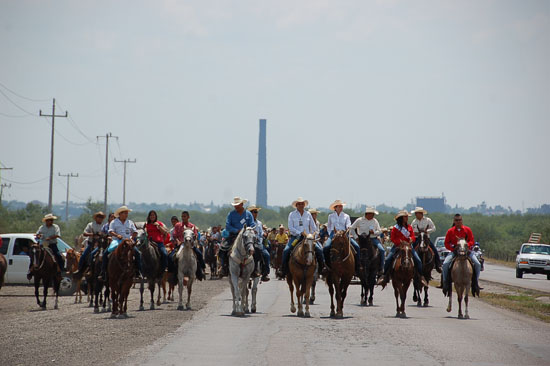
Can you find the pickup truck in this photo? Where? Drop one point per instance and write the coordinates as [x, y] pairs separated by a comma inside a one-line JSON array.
[[533, 258], [15, 248]]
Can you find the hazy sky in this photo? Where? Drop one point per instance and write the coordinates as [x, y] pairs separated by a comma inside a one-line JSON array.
[[370, 102]]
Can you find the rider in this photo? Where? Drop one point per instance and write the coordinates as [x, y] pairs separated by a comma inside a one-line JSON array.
[[121, 228], [300, 223], [105, 228], [234, 222], [282, 237], [179, 229], [260, 233], [339, 220], [314, 212], [156, 232], [425, 224], [459, 231], [401, 232], [369, 225], [93, 228], [48, 233]]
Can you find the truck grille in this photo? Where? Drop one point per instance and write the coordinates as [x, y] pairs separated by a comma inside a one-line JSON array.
[[537, 262]]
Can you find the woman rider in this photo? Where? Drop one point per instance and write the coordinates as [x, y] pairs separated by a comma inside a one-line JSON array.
[[156, 232]]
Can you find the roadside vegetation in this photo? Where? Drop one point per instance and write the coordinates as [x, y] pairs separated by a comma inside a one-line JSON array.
[[528, 302]]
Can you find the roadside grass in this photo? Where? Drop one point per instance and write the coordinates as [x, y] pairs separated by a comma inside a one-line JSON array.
[[501, 262]]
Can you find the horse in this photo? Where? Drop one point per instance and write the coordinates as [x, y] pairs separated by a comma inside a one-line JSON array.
[[211, 257], [402, 275], [461, 274], [72, 258], [187, 267], [341, 272], [241, 266], [167, 295], [426, 255], [95, 285], [370, 266], [45, 268], [150, 267], [302, 266], [121, 270], [277, 261], [3, 269]]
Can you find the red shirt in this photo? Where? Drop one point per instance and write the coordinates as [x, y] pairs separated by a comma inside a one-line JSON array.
[[181, 227], [451, 239], [154, 232], [397, 236]]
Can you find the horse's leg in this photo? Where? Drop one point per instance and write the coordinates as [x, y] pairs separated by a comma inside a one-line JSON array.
[[339, 304], [151, 286], [159, 291], [291, 288], [426, 300], [36, 287], [459, 295], [189, 290], [233, 295], [299, 294], [466, 291], [126, 291], [45, 283], [107, 298], [450, 305], [313, 284], [180, 288], [141, 289], [254, 293], [396, 293], [331, 292], [404, 289], [307, 299], [95, 297], [56, 284]]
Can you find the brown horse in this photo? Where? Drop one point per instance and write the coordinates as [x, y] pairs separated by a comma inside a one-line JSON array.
[[402, 275], [45, 268], [302, 267], [95, 284], [211, 257], [72, 265], [3, 269], [370, 265], [277, 261], [121, 270], [341, 272], [426, 255], [461, 274]]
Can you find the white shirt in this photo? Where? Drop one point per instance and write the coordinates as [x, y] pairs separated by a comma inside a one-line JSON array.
[[338, 222], [259, 230], [125, 229], [297, 223], [426, 224], [364, 226]]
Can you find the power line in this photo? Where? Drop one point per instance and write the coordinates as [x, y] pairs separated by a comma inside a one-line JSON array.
[[69, 176], [125, 161], [107, 137], [75, 126], [23, 97], [25, 183], [12, 116], [16, 105]]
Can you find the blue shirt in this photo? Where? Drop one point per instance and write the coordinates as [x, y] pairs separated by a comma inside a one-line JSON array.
[[235, 221], [259, 230]]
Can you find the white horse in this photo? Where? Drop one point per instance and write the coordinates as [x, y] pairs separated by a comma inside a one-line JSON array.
[[187, 267], [252, 287], [241, 265]]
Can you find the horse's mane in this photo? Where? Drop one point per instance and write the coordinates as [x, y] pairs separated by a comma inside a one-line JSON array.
[[239, 237]]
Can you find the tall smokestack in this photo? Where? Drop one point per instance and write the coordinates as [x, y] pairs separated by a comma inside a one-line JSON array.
[[261, 184]]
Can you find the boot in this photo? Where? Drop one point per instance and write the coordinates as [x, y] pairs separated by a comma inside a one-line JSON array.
[[423, 280], [200, 274], [383, 281], [29, 275], [265, 278], [438, 267], [475, 285]]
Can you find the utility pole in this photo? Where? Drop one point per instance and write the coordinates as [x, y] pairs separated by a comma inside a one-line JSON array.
[[2, 186], [125, 161], [53, 115], [70, 175], [107, 137]]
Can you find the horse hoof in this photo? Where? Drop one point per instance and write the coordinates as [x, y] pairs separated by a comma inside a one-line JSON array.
[[448, 309], [141, 308], [415, 298], [152, 307], [332, 314], [113, 316], [180, 307], [233, 313], [397, 315], [426, 304], [311, 300], [300, 313], [123, 316], [307, 315], [240, 314], [96, 310], [56, 307], [246, 311], [460, 316], [466, 316], [339, 316], [403, 316], [419, 304], [292, 309], [370, 303], [253, 310]]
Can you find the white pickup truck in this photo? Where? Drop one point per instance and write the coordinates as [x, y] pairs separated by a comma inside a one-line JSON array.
[[533, 258], [15, 248]]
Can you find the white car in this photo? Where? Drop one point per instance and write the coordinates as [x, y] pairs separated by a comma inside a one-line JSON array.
[[440, 246], [533, 258], [13, 248]]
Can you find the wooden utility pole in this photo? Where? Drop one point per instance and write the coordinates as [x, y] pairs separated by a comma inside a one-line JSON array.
[[70, 175], [125, 161], [53, 115], [107, 137], [3, 185]]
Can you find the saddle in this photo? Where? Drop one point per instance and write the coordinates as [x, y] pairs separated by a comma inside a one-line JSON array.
[[50, 252]]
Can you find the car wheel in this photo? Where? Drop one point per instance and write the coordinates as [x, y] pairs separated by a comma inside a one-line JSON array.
[[519, 273], [67, 287]]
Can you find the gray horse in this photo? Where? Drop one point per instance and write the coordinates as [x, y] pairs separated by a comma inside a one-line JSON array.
[[150, 266], [241, 265], [187, 267]]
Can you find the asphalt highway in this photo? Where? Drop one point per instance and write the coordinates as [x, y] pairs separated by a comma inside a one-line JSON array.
[[507, 276]]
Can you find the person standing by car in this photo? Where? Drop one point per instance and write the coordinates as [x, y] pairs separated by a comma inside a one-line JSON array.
[[424, 224], [48, 234]]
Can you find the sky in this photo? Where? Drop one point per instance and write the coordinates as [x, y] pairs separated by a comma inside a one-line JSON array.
[[366, 101]]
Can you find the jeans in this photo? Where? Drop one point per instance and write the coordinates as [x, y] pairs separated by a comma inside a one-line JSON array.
[[288, 249], [58, 257], [163, 255], [266, 256], [416, 260], [200, 259], [328, 245], [82, 260], [447, 265], [382, 251], [432, 245]]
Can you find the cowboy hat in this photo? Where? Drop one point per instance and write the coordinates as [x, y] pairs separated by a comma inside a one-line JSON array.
[[121, 209], [314, 211], [49, 217], [238, 200], [336, 203], [99, 213], [371, 210], [253, 207], [402, 213], [419, 209], [281, 226], [298, 200]]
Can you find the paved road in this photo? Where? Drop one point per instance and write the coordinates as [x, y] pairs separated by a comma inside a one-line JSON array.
[[507, 275], [366, 336]]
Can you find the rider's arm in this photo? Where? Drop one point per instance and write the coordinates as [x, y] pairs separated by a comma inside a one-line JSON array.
[[470, 238], [294, 231], [88, 231], [448, 240], [431, 226], [355, 226], [228, 224]]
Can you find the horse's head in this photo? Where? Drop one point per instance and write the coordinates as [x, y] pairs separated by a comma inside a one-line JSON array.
[[308, 248], [125, 251], [340, 246], [424, 241], [462, 248], [249, 239], [364, 240], [188, 237], [71, 259], [35, 252], [405, 254]]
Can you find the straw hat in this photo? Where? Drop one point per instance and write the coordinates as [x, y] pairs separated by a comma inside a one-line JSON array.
[[314, 211], [238, 200], [121, 209], [253, 207], [419, 209], [49, 217], [298, 200], [336, 203], [371, 210], [281, 226], [402, 213], [99, 213]]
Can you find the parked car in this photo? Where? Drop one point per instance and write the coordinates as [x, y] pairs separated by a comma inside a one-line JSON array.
[[440, 246], [15, 248], [533, 258]]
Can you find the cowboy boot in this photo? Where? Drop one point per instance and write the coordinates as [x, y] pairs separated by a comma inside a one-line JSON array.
[[383, 281]]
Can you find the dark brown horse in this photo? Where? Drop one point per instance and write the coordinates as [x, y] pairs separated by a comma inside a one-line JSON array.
[[426, 255], [3, 269], [95, 284], [341, 272], [402, 275], [211, 257], [302, 267], [121, 270], [45, 268], [370, 265], [277, 260]]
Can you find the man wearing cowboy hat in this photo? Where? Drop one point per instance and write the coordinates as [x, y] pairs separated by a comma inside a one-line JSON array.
[[93, 228], [179, 229], [234, 222], [339, 220], [48, 234], [301, 223], [370, 226], [424, 224], [264, 253]]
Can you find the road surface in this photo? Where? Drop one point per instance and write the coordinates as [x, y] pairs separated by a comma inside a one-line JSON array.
[[366, 336], [507, 276]]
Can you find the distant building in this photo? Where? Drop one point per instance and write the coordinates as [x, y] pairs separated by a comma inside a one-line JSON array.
[[432, 204]]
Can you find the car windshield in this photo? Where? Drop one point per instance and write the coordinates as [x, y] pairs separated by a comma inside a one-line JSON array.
[[440, 242], [536, 249]]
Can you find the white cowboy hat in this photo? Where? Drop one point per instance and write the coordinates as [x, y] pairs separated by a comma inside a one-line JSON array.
[[336, 203], [49, 217], [253, 207], [121, 209], [371, 210], [402, 213], [314, 211], [298, 200], [238, 200], [99, 213], [419, 209], [281, 226]]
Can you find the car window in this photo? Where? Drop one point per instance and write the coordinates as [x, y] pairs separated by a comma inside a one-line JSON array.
[[526, 249], [440, 243], [22, 244], [5, 244], [62, 246]]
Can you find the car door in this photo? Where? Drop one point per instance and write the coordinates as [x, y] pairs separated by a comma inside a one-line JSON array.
[[19, 261]]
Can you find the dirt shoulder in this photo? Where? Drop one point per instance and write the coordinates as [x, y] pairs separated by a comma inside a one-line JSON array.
[[75, 335]]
